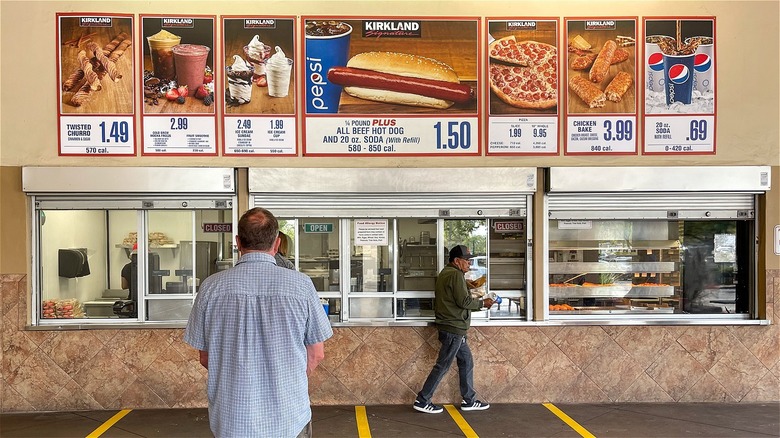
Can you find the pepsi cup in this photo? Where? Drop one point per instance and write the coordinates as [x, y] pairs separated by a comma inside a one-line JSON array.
[[654, 63], [703, 65], [327, 45], [494, 296], [678, 75]]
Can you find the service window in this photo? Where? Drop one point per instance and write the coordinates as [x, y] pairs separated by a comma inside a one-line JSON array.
[[126, 260], [650, 267]]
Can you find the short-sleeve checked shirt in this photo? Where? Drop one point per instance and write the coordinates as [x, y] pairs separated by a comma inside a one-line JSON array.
[[255, 321]]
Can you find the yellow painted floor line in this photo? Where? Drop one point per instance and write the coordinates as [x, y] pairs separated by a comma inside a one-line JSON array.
[[568, 420], [461, 422], [362, 422], [110, 422]]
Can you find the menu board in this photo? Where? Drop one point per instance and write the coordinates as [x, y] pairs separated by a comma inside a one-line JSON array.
[[522, 59], [95, 91], [601, 104], [390, 86], [679, 85], [259, 86], [178, 109]]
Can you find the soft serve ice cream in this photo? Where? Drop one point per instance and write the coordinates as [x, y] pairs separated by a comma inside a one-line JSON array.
[[257, 53], [239, 77], [277, 70]]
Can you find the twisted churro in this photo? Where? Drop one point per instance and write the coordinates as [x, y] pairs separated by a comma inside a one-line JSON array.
[[115, 42], [81, 96], [108, 65], [73, 79], [89, 73], [116, 53]]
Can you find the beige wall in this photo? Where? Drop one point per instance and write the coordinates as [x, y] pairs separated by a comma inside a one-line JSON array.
[[94, 369]]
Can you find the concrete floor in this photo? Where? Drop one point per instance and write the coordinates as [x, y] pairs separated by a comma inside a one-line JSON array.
[[665, 420]]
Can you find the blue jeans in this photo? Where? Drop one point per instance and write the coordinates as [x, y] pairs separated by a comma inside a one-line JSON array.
[[452, 347]]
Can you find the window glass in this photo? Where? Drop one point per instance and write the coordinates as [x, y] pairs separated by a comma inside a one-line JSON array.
[[371, 266], [507, 267], [417, 255], [472, 233], [73, 262], [318, 244], [649, 267]]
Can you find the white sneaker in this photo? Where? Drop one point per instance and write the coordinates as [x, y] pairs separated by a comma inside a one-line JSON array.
[[428, 408], [476, 405]]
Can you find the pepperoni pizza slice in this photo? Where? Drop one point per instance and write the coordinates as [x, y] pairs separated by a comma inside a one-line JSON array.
[[527, 74]]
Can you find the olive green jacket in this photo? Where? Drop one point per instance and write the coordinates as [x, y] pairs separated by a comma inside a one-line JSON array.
[[453, 303]]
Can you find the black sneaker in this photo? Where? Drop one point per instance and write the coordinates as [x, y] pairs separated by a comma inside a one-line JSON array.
[[428, 408], [476, 405]]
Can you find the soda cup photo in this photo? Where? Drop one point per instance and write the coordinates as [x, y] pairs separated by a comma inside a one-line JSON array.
[[654, 62], [678, 77], [703, 64], [327, 45]]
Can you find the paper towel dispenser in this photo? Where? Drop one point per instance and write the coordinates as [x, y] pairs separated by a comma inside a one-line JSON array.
[[73, 262]]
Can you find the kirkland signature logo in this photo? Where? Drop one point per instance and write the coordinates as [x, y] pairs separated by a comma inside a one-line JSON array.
[[520, 25], [392, 28], [600, 25], [95, 21], [259, 23], [178, 22]]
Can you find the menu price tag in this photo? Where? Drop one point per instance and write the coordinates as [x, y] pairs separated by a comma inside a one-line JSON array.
[[97, 135], [614, 134], [680, 134], [259, 135], [522, 97], [680, 89], [601, 99], [179, 134], [392, 136], [524, 134]]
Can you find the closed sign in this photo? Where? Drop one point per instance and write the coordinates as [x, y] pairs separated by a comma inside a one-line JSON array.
[[218, 228]]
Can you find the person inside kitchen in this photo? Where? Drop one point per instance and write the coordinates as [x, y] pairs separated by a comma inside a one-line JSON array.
[[281, 254], [260, 330], [452, 307], [127, 273]]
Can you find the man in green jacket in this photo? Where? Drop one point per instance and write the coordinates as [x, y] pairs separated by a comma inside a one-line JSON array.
[[453, 306]]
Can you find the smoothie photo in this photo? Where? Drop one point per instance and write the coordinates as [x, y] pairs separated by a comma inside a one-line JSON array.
[[190, 63]]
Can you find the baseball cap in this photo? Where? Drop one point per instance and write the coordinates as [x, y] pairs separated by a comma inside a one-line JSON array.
[[460, 251]]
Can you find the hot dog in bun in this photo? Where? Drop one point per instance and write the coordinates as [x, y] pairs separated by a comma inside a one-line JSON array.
[[401, 78]]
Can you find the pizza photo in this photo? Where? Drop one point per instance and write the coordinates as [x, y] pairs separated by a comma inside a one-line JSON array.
[[523, 73]]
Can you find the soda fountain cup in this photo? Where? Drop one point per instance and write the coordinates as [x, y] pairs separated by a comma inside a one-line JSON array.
[[678, 75], [494, 296], [327, 45], [703, 64], [654, 62]]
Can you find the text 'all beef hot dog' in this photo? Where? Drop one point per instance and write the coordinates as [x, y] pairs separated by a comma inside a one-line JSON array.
[[401, 78]]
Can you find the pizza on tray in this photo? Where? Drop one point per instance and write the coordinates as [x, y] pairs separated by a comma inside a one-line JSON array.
[[524, 74]]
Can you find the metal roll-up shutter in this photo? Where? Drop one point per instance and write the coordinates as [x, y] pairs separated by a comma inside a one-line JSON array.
[[651, 205], [393, 204]]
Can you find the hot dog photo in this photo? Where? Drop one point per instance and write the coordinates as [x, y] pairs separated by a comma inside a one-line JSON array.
[[391, 66]]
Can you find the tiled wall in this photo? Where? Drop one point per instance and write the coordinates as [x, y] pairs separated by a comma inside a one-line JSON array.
[[112, 369]]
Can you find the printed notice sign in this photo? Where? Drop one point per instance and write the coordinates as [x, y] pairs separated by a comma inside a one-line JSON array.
[[371, 232]]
